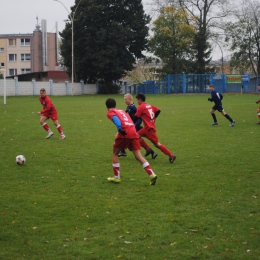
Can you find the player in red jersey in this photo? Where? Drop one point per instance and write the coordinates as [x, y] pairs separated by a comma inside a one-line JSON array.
[[148, 114], [258, 101], [49, 111], [126, 137]]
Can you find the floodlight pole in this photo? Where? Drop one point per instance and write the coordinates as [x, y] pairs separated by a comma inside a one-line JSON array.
[[4, 86], [72, 42]]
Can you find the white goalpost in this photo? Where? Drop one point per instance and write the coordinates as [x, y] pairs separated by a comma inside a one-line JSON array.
[[4, 86]]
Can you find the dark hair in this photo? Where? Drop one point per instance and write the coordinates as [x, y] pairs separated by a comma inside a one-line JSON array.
[[141, 96], [110, 103]]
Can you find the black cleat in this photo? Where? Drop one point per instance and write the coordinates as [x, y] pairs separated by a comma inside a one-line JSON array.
[[172, 158], [150, 151], [121, 154], [154, 155]]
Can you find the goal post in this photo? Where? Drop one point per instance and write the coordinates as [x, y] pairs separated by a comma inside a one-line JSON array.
[[4, 86]]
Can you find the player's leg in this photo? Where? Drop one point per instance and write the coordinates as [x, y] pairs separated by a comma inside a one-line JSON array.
[[148, 149], [215, 121], [258, 114], [152, 136], [58, 126], [228, 117], [117, 147], [46, 126], [146, 166]]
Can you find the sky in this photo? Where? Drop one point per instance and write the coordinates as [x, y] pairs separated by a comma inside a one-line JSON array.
[[19, 16]]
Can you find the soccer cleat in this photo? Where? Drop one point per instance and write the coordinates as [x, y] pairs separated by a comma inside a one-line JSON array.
[[113, 179], [233, 123], [154, 155], [62, 136], [153, 179], [150, 151], [172, 158], [50, 133], [121, 154], [258, 123], [214, 123]]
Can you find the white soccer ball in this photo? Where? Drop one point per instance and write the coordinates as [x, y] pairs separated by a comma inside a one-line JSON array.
[[20, 159]]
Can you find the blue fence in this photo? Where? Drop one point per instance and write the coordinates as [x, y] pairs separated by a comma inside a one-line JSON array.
[[193, 83]]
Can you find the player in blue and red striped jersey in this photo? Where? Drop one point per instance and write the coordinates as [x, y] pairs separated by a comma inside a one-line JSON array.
[[148, 114], [49, 111], [216, 98], [126, 138], [131, 110]]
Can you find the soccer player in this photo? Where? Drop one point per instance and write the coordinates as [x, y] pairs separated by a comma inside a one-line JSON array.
[[49, 111], [258, 110], [148, 114], [216, 97], [126, 138], [131, 110]]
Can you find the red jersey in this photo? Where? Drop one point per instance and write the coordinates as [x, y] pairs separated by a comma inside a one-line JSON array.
[[127, 124], [48, 107], [147, 113]]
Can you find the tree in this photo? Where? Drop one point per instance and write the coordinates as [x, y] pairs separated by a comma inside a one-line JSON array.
[[109, 37], [208, 14], [244, 36], [1, 76], [172, 41]]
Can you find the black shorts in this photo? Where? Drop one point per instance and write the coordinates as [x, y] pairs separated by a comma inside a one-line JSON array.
[[218, 107]]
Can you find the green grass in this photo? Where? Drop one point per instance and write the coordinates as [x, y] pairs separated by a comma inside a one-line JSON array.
[[59, 205]]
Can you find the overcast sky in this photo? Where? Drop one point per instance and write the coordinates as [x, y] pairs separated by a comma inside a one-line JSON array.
[[19, 16]]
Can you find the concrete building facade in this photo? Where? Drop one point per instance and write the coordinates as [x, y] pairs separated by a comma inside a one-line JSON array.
[[30, 53]]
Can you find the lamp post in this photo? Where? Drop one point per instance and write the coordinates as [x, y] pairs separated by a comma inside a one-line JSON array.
[[72, 41]]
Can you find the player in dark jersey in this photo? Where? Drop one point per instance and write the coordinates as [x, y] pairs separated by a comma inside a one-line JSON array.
[[49, 111], [257, 102], [131, 110], [126, 137], [148, 114], [216, 97]]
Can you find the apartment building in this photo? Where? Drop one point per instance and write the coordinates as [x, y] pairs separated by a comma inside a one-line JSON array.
[[30, 53]]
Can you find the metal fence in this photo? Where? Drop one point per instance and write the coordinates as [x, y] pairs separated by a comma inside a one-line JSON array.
[[193, 83]]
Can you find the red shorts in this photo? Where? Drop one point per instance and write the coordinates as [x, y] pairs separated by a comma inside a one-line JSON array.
[[53, 116], [124, 143], [150, 134]]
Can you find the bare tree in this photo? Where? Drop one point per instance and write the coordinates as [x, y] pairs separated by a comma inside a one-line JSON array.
[[244, 36]]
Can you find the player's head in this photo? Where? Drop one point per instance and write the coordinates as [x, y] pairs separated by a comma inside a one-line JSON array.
[[140, 96], [110, 103], [42, 92], [128, 98], [211, 87]]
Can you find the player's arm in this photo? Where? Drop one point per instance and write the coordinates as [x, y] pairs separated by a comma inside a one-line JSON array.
[[157, 113], [118, 124]]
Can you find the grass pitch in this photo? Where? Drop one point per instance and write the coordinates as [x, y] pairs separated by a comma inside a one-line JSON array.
[[59, 205]]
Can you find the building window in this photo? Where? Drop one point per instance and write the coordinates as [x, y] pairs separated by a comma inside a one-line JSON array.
[[25, 42], [12, 57], [24, 71], [2, 64], [2, 49], [12, 42], [12, 72], [25, 56]]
